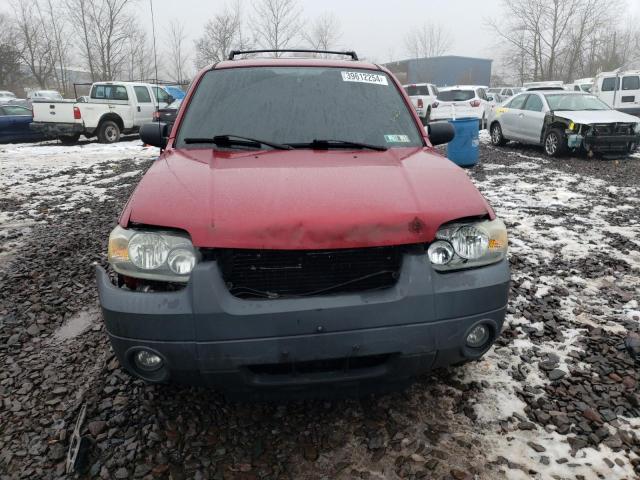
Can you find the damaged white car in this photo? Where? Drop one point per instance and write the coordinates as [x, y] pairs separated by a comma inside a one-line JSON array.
[[561, 121]]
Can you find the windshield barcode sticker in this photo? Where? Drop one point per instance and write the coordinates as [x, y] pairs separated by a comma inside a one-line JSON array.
[[364, 78], [396, 139]]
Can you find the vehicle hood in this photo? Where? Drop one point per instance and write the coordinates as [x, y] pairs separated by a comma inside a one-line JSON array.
[[303, 199], [586, 117]]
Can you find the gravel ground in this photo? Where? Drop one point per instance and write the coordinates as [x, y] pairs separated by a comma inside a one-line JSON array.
[[557, 397]]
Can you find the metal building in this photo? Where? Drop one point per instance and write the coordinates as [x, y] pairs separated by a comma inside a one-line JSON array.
[[443, 71]]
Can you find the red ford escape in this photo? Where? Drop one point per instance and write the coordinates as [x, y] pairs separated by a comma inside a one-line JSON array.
[[299, 230]]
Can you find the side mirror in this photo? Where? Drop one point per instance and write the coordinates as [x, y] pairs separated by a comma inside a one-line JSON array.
[[440, 133], [155, 134], [170, 99]]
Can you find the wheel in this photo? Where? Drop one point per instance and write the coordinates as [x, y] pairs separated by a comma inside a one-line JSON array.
[[108, 132], [496, 135], [555, 144], [69, 139]]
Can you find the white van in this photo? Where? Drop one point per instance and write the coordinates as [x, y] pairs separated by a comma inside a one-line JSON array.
[[619, 90]]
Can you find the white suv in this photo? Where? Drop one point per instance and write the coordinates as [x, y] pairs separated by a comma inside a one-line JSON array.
[[422, 95], [462, 101]]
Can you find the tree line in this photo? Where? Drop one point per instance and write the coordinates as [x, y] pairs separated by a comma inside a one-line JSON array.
[[46, 40], [565, 39]]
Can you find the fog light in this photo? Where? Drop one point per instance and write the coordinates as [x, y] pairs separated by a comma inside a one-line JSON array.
[[478, 336], [147, 360]]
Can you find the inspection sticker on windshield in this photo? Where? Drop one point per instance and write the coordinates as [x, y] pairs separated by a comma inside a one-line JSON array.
[[362, 77], [396, 139]]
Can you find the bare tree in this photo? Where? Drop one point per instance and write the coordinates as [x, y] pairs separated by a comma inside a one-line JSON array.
[[562, 39], [105, 29], [177, 56], [324, 33], [428, 40], [140, 60], [80, 19], [55, 30], [34, 46], [222, 34], [277, 22], [10, 74]]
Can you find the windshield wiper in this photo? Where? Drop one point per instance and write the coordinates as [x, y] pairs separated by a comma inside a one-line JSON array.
[[229, 140], [326, 144]]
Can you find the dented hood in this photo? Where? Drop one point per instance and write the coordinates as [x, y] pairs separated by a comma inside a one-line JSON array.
[[303, 199]]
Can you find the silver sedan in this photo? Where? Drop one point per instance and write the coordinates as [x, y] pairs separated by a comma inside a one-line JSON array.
[[560, 120]]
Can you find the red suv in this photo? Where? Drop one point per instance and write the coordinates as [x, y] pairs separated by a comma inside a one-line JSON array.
[[299, 229]]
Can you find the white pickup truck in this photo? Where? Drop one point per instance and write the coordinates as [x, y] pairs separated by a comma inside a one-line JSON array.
[[112, 108]]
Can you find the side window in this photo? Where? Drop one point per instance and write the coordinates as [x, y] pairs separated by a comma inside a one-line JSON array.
[[15, 110], [161, 95], [142, 94], [609, 84], [631, 83], [98, 92], [1, 112], [120, 93], [518, 102], [533, 104]]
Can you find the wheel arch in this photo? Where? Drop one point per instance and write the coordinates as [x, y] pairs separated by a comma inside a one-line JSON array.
[[114, 117]]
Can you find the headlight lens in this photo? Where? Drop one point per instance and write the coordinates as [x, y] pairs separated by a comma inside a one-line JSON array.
[[154, 255], [440, 252], [148, 251], [471, 245], [470, 242]]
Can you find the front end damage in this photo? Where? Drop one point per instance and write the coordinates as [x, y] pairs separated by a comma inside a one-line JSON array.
[[606, 138]]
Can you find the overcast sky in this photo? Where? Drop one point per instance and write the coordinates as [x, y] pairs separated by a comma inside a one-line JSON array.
[[374, 28]]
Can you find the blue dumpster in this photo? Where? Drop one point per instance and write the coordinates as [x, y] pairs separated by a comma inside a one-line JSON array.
[[463, 149]]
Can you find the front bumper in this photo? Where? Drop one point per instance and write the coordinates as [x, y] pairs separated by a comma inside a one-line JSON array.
[[207, 336], [611, 143]]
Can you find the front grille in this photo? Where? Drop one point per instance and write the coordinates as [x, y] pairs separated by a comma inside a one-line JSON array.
[[613, 128], [274, 274], [603, 129]]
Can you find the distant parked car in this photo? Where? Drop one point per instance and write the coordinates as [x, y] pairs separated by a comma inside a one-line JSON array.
[[560, 120], [175, 92], [6, 96], [462, 101], [43, 95], [549, 85], [423, 96], [167, 114], [113, 108], [619, 90], [500, 94], [14, 124]]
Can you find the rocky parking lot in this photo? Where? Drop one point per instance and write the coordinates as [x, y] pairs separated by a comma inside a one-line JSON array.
[[557, 397]]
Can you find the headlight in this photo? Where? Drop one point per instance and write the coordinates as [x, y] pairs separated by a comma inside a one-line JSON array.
[[468, 245], [637, 127], [155, 255]]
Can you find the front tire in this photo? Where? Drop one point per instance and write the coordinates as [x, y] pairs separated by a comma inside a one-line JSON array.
[[108, 132], [555, 144], [497, 138]]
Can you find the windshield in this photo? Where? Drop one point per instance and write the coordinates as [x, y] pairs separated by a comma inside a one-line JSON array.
[[572, 102], [456, 95], [7, 95], [413, 90], [298, 105]]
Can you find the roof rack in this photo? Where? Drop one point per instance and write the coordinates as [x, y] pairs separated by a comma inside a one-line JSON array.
[[351, 54]]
